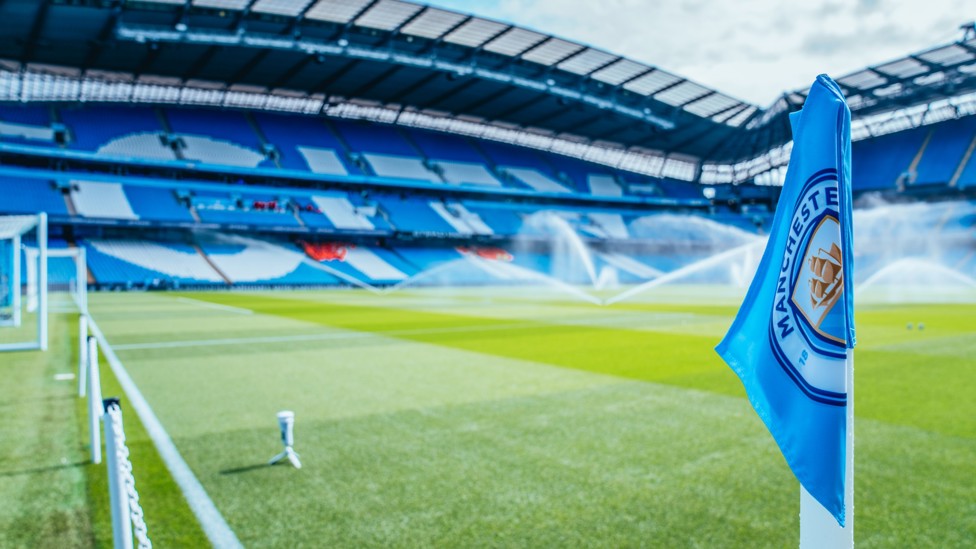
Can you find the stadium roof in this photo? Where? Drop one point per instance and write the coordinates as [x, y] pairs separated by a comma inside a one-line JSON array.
[[387, 51], [315, 55], [943, 71]]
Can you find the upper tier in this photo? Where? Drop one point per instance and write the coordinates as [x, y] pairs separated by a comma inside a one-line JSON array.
[[335, 148]]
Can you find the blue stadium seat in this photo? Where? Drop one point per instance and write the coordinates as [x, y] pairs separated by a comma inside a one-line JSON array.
[[31, 114], [92, 126], [501, 219], [439, 146], [375, 138], [144, 262], [413, 215], [22, 195], [945, 150], [222, 208], [156, 203], [226, 125], [31, 125], [248, 263], [288, 132], [877, 163], [968, 177]]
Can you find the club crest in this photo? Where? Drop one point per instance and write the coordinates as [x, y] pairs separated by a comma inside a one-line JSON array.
[[807, 327]]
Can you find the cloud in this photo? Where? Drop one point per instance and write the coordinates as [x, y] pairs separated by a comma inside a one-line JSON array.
[[753, 50]]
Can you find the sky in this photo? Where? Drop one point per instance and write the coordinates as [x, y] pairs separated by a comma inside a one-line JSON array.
[[753, 50]]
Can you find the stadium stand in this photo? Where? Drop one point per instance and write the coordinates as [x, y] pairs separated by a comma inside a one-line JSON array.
[[879, 163], [26, 124], [147, 263], [157, 204], [132, 131], [304, 144], [369, 264], [413, 214], [944, 151], [28, 195], [367, 163], [240, 208], [97, 199], [249, 261], [227, 125]]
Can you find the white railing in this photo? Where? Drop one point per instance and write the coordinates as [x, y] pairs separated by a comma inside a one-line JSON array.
[[127, 514]]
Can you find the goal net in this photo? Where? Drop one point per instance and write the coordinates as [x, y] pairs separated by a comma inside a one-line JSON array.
[[38, 276]]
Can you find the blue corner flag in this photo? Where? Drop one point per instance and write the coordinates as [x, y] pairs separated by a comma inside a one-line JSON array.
[[790, 341]]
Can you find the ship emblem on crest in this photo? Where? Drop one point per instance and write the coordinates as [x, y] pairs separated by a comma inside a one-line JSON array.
[[820, 279], [826, 281]]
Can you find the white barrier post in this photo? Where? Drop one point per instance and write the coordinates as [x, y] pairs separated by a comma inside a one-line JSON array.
[[82, 354], [81, 266], [117, 492], [94, 401], [15, 275], [42, 280]]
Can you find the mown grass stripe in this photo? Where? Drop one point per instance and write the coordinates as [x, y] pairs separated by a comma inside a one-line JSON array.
[[213, 523]]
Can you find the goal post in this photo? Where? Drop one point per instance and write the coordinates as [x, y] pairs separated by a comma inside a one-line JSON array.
[[22, 329], [67, 276]]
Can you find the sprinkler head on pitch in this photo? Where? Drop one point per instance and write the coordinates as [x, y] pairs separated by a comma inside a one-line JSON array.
[[286, 422]]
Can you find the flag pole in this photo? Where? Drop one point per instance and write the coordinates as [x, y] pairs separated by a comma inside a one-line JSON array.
[[818, 529]]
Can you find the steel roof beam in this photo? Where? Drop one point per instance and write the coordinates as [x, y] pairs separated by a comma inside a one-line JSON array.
[[586, 121], [693, 138], [372, 83], [600, 67], [521, 106], [480, 47], [246, 69], [200, 63], [184, 9], [455, 90], [420, 83], [395, 32], [35, 31], [695, 100], [297, 20], [241, 19], [103, 36], [291, 72], [552, 66], [344, 27], [621, 85], [621, 127], [546, 117], [738, 107], [436, 42], [147, 60], [324, 84], [485, 100]]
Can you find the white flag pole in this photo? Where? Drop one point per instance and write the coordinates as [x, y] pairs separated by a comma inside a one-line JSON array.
[[818, 529]]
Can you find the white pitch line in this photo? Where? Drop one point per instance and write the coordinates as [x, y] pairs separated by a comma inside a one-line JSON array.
[[231, 341], [538, 323], [212, 522], [316, 337], [218, 306]]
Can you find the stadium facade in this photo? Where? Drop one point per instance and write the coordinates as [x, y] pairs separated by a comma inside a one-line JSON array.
[[372, 142]]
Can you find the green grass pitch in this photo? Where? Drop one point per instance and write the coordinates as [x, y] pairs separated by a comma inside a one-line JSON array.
[[482, 418]]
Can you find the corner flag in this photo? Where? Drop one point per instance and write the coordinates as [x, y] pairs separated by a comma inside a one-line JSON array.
[[790, 342]]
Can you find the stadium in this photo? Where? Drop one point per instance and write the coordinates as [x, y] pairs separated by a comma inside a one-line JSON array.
[[484, 266]]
